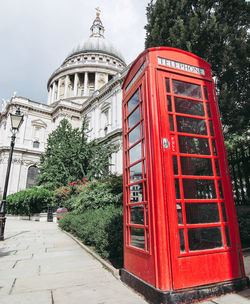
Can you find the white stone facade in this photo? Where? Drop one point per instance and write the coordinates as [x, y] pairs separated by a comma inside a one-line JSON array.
[[88, 83]]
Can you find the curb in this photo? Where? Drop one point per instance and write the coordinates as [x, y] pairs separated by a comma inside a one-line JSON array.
[[109, 267]]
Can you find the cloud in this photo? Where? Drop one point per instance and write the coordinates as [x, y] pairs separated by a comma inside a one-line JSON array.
[[36, 36]]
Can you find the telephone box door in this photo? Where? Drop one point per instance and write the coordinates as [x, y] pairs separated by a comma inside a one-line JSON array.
[[202, 237]]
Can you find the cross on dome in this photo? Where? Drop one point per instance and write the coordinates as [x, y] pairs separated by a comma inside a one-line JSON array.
[[97, 29], [98, 12]]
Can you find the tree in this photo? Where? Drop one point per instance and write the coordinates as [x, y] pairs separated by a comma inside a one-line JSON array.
[[69, 156], [216, 31]]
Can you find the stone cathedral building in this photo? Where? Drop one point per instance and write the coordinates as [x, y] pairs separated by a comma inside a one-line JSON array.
[[88, 82]]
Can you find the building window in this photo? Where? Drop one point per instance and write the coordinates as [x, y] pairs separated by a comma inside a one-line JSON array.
[[31, 176], [36, 144]]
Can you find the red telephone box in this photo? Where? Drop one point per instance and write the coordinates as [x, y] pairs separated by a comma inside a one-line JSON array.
[[181, 239]]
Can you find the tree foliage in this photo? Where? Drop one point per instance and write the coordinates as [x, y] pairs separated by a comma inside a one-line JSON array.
[[29, 201], [216, 31], [69, 156]]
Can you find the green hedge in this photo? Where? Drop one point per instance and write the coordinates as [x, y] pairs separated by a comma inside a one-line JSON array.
[[101, 228], [29, 201], [97, 194]]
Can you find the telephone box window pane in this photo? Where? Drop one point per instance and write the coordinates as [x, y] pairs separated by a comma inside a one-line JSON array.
[[187, 89], [208, 109], [137, 237], [199, 188], [204, 238], [177, 188], [135, 153], [211, 127], [182, 242], [145, 169], [214, 147], [224, 212], [193, 145], [191, 125], [146, 210], [217, 167], [227, 236], [171, 123], [142, 125], [179, 214], [147, 235], [135, 172], [200, 213], [175, 165], [188, 106], [167, 85], [205, 93], [133, 101], [134, 135], [144, 154], [169, 104], [137, 215], [136, 193], [141, 110], [220, 189], [196, 166], [134, 118]]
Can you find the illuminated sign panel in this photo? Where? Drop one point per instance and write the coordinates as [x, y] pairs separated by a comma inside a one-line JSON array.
[[181, 66]]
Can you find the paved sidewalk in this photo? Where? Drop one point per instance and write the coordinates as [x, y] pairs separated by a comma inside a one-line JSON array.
[[39, 264]]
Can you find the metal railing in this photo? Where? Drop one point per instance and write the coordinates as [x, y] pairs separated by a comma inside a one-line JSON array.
[[239, 167]]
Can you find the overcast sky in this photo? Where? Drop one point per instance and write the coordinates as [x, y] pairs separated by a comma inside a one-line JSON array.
[[37, 35]]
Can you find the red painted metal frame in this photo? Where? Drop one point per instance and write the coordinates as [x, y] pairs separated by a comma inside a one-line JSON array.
[[163, 265]]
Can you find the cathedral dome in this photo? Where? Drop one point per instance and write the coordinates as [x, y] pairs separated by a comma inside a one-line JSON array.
[[96, 44], [88, 67]]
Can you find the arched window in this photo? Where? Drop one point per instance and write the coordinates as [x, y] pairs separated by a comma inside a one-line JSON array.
[[36, 144], [31, 176]]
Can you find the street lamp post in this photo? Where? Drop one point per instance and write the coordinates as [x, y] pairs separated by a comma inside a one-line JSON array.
[[16, 121]]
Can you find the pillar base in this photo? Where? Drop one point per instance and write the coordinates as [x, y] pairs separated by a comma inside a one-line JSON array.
[[187, 296]]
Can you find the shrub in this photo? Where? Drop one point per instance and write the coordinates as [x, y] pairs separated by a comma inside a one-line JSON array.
[[101, 228], [29, 201], [98, 194]]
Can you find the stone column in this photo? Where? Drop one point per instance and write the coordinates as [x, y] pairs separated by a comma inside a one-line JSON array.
[[53, 92], [58, 89], [96, 81], [76, 84], [66, 88], [85, 83], [49, 95], [109, 119]]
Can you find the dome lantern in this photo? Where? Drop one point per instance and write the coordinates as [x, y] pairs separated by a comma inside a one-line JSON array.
[[97, 29]]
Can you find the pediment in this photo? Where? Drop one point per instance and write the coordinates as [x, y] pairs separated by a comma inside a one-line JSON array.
[[38, 123]]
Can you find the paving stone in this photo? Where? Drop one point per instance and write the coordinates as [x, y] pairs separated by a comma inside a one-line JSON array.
[[7, 265], [231, 299], [43, 297], [5, 285], [38, 260], [245, 293], [104, 293], [53, 281], [20, 272]]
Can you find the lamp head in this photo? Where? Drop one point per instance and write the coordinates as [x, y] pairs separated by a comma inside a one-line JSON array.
[[16, 120]]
